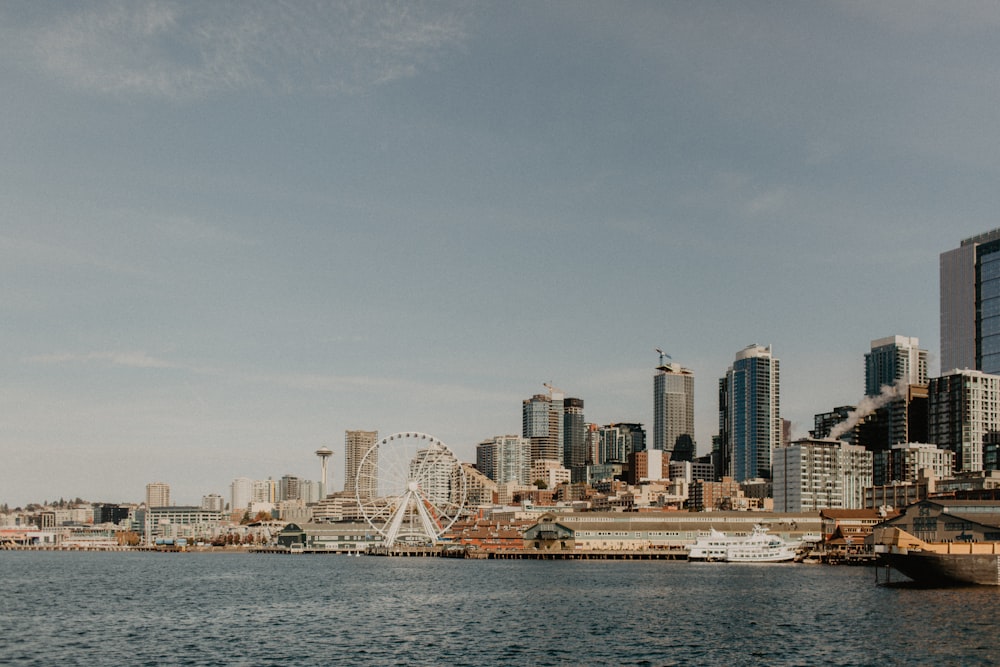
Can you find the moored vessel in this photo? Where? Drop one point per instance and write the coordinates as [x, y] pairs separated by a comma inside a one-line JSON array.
[[757, 547]]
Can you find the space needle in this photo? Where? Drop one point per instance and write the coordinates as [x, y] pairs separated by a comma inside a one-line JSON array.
[[323, 453]]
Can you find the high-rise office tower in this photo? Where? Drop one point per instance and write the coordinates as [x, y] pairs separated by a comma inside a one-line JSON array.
[[356, 445], [893, 359], [542, 422], [749, 414], [618, 441], [970, 305], [964, 416], [157, 494], [574, 435], [289, 488], [673, 411]]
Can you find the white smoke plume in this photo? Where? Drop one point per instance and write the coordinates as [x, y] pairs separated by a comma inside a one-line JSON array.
[[868, 405]]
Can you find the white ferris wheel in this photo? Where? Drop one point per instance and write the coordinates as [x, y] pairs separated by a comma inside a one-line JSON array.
[[410, 488]]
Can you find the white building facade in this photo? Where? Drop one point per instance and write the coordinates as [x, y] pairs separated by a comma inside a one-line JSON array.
[[673, 411], [964, 416], [810, 475], [505, 458]]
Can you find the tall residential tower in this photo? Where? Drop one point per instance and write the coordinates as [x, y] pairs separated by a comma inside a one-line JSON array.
[[749, 414], [964, 417], [157, 494], [544, 419], [356, 445], [893, 359]]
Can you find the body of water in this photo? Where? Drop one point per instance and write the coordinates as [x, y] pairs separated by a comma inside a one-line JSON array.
[[74, 608]]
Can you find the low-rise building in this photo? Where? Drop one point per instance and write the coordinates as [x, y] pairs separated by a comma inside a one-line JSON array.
[[344, 536], [179, 521], [487, 535], [949, 520], [616, 531], [551, 473], [708, 496]]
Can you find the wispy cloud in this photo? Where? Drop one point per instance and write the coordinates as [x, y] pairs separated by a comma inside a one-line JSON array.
[[131, 359], [15, 250], [926, 16], [190, 230], [179, 50], [767, 202]]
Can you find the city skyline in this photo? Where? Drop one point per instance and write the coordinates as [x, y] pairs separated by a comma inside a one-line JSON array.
[[232, 232]]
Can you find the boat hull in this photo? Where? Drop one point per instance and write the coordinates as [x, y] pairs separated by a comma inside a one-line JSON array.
[[947, 569]]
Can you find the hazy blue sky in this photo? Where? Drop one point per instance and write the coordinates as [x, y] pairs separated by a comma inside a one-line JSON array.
[[231, 230]]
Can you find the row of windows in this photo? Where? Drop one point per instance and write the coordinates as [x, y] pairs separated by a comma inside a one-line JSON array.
[[636, 534]]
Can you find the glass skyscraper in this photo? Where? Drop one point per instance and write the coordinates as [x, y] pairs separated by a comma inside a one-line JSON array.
[[673, 411], [574, 434], [543, 422], [970, 305], [749, 414]]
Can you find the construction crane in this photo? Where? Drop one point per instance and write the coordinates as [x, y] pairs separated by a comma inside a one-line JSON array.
[[663, 355], [552, 390]]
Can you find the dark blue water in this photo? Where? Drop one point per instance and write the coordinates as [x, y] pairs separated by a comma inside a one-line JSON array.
[[242, 609]]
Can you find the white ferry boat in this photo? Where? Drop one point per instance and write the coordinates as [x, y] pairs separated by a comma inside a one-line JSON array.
[[758, 547]]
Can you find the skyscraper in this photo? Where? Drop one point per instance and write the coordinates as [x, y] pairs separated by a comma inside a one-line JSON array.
[[505, 458], [264, 491], [542, 421], [749, 414], [574, 435], [356, 445], [241, 493], [970, 305], [289, 488], [673, 411], [811, 475], [896, 377], [893, 359], [618, 441], [157, 494], [964, 416]]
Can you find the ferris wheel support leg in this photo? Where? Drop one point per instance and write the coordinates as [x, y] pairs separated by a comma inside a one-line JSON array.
[[430, 527], [397, 520]]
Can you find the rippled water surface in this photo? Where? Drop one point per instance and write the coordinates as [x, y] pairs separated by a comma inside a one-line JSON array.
[[242, 609]]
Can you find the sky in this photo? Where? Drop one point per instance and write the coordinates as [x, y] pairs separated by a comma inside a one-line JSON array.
[[231, 231]]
